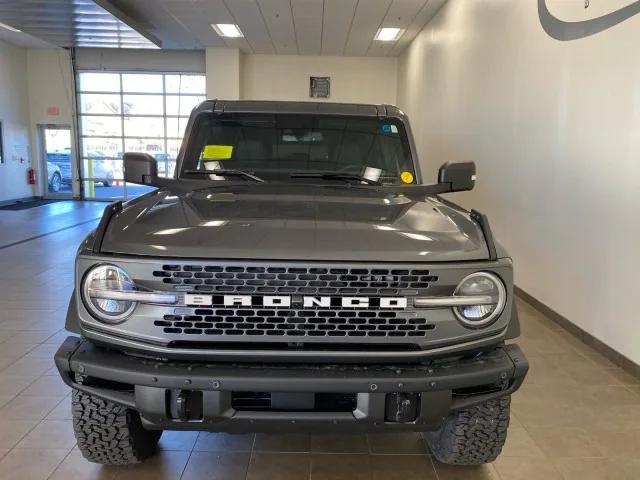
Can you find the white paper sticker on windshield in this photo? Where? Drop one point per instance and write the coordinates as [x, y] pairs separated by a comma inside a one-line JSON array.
[[371, 173]]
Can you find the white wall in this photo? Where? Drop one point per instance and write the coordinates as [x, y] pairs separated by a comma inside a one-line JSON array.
[[286, 77], [555, 130], [132, 60], [14, 115], [223, 73], [49, 85]]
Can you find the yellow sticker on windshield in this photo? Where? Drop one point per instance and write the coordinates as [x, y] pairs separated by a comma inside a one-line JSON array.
[[406, 177], [216, 152]]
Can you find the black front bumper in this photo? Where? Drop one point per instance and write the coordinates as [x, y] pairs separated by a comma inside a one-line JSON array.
[[150, 386]]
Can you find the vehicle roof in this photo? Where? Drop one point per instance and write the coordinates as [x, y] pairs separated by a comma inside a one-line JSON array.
[[322, 108]]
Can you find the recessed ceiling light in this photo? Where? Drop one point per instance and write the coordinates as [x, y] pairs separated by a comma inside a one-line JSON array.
[[227, 30], [388, 34], [9, 27]]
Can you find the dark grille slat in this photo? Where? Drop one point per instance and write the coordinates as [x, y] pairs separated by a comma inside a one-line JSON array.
[[292, 280], [242, 321]]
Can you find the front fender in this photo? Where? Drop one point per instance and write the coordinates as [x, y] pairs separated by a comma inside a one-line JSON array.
[[71, 323], [513, 331]]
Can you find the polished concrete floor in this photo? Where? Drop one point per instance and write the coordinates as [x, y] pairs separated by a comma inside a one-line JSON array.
[[576, 417]]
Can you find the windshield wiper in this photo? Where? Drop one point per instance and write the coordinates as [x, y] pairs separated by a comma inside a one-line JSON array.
[[227, 173], [336, 176]]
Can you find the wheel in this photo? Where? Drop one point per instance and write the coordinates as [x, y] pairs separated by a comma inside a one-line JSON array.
[[472, 436], [109, 433], [109, 180], [56, 181]]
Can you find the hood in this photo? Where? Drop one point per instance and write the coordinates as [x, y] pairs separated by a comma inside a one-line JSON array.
[[294, 222]]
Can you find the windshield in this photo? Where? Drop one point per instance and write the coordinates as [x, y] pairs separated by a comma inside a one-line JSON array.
[[282, 146]]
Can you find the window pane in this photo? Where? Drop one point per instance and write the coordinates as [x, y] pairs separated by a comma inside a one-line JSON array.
[[142, 83], [185, 84], [102, 147], [143, 127], [99, 103], [97, 189], [176, 126], [166, 167], [106, 171], [152, 146], [143, 104], [182, 104], [173, 146], [100, 82], [89, 189], [105, 126]]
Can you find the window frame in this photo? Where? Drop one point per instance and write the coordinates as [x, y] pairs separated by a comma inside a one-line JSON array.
[[1, 144]]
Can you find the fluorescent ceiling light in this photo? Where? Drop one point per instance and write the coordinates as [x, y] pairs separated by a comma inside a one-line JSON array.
[[227, 30], [9, 27], [388, 34]]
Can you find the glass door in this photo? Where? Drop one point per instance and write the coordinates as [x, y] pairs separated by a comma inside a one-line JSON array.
[[57, 161]]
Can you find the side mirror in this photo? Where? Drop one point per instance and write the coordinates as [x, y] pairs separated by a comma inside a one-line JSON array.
[[140, 168], [458, 177]]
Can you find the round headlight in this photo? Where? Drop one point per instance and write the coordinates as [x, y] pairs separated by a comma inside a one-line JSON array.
[[481, 284], [98, 283]]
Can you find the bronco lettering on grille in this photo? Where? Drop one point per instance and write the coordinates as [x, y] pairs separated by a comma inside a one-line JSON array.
[[286, 301]]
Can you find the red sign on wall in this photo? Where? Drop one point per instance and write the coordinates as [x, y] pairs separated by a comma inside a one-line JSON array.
[[54, 111]]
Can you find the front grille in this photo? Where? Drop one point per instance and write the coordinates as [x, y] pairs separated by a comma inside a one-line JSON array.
[[291, 280], [247, 321]]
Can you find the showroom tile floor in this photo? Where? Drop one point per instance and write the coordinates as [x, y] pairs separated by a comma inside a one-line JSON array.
[[576, 417]]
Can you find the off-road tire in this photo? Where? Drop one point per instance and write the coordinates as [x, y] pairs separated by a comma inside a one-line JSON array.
[[472, 436], [56, 183], [109, 433]]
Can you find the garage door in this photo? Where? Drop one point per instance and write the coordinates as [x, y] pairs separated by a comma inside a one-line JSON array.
[[131, 112]]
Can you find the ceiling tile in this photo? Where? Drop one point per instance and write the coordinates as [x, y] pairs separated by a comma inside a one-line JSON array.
[[338, 15], [327, 27], [279, 21], [199, 17], [368, 17], [307, 22], [248, 17], [400, 15], [423, 17]]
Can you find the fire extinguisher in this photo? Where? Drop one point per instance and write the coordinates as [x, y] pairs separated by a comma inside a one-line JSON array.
[[31, 176]]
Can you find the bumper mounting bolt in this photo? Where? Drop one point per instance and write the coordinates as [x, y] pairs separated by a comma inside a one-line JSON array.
[[433, 384], [215, 384], [373, 387], [400, 385], [154, 379], [81, 368], [187, 382]]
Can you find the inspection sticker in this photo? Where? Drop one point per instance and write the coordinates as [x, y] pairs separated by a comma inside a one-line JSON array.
[[217, 152], [406, 177]]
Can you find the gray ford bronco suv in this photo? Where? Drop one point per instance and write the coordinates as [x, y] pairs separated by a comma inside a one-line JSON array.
[[294, 275]]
